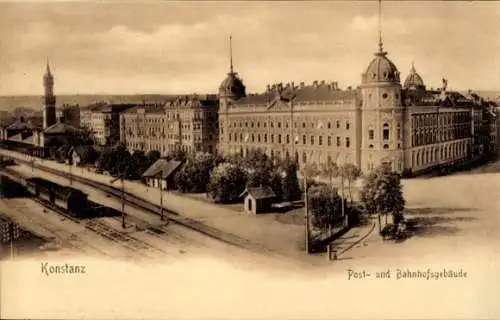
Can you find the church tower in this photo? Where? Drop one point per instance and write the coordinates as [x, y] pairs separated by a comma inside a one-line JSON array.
[[49, 104], [231, 89], [382, 112]]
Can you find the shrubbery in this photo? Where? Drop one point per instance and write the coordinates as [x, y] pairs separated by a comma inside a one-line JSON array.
[[194, 175], [325, 206]]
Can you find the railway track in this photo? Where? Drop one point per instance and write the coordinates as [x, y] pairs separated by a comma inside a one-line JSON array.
[[66, 238], [174, 217], [139, 203], [105, 231]]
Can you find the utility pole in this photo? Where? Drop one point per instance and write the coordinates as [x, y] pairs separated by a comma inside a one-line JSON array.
[[123, 200], [306, 218], [161, 199]]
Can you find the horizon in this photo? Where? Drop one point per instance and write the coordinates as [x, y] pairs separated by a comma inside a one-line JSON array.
[[156, 48]]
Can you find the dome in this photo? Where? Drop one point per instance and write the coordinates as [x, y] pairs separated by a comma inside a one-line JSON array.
[[414, 80], [381, 69], [232, 85]]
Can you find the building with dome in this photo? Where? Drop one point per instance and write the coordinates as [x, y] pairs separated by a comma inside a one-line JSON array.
[[381, 121]]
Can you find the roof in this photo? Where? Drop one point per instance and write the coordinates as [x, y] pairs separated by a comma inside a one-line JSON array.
[[259, 192], [381, 69], [162, 168], [17, 137], [29, 140], [315, 92], [21, 125], [60, 128]]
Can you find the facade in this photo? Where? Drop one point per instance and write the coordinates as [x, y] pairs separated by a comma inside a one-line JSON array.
[[103, 120], [381, 121], [187, 123], [69, 114]]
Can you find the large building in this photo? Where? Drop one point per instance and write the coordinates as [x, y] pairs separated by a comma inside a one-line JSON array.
[[381, 121], [103, 119], [188, 123]]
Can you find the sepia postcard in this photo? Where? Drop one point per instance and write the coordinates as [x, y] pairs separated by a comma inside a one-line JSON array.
[[249, 159]]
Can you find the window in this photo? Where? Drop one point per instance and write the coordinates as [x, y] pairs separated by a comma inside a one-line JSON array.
[[338, 141], [272, 138], [384, 96], [371, 134], [329, 125], [347, 142], [303, 125], [246, 124], [386, 146], [272, 124], [320, 142], [329, 141], [347, 125], [312, 140], [279, 138], [258, 138], [287, 138], [265, 138], [279, 124], [385, 132], [304, 157], [251, 124], [370, 146], [258, 124], [338, 124], [304, 139]]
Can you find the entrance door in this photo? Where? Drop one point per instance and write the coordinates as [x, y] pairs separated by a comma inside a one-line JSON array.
[[249, 204]]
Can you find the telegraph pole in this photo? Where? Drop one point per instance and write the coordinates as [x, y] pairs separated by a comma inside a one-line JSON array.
[[306, 218], [123, 200], [161, 199]]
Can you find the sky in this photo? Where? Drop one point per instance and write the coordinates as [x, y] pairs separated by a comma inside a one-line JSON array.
[[132, 47]]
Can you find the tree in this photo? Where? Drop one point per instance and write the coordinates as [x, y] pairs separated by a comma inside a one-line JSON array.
[[194, 176], [227, 182], [153, 156], [177, 154], [351, 172], [142, 161], [331, 170], [382, 194], [290, 182], [326, 207]]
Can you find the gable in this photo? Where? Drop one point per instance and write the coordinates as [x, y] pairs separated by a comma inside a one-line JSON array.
[[278, 105]]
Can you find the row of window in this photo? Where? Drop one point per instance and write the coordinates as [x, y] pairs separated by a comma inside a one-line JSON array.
[[286, 139], [434, 136], [433, 119], [278, 124], [444, 153]]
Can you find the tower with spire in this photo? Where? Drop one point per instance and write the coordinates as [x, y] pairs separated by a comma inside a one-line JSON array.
[[382, 110], [49, 99], [230, 90]]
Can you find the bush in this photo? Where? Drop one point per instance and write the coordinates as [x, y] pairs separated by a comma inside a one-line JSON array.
[[227, 182]]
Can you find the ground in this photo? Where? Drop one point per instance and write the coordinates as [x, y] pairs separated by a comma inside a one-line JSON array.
[[451, 216]]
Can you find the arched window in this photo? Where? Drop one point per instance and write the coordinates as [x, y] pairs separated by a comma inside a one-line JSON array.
[[265, 138], [258, 137], [272, 138], [279, 138], [287, 139], [304, 157], [329, 141], [253, 137]]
